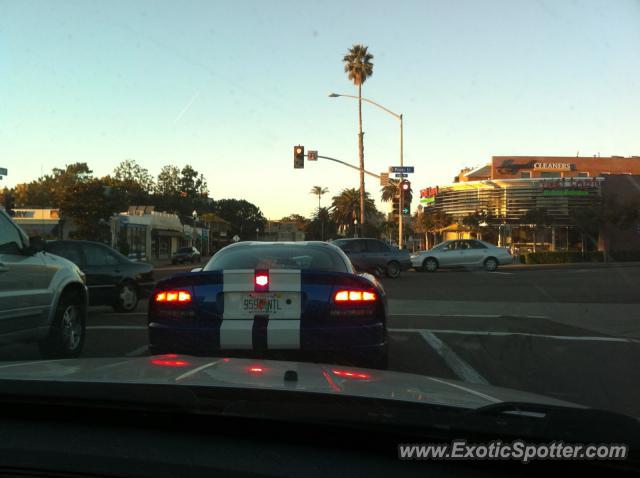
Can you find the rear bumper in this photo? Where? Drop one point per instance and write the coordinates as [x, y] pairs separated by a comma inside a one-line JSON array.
[[370, 339]]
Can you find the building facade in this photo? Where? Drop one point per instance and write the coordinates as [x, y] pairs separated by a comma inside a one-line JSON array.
[[532, 202]]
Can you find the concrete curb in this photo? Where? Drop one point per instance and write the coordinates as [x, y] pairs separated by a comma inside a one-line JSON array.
[[571, 265]]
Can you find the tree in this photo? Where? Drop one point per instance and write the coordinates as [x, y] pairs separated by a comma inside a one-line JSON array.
[[321, 226], [297, 219], [131, 174], [319, 191], [434, 220], [599, 218], [91, 207], [477, 220], [539, 218], [358, 67], [345, 206], [390, 191], [168, 182], [244, 217]]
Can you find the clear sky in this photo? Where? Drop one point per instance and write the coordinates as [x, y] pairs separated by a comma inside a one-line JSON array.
[[230, 86]]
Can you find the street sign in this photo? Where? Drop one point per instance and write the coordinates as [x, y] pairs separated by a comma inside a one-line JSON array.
[[312, 155], [401, 175], [236, 238], [384, 179], [401, 169], [3, 172]]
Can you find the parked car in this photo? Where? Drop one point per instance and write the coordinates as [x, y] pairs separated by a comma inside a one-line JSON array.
[[186, 254], [469, 253], [112, 278], [374, 256], [43, 297]]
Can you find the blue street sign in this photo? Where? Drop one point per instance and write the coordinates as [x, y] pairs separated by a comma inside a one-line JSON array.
[[401, 169], [401, 175], [3, 171]]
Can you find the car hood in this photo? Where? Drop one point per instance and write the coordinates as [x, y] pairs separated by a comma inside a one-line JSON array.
[[269, 375]]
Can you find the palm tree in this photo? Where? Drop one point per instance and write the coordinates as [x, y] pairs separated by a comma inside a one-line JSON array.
[[358, 67], [390, 191], [344, 208], [319, 191]]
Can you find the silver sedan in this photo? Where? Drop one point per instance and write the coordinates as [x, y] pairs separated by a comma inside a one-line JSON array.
[[469, 253]]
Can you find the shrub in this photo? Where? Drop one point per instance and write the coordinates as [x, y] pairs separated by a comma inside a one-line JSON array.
[[564, 257]]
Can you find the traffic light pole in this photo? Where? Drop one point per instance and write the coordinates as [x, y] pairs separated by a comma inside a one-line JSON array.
[[401, 216], [349, 165]]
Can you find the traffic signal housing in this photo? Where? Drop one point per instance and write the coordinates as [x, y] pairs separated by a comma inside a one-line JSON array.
[[405, 190], [396, 206], [298, 157]]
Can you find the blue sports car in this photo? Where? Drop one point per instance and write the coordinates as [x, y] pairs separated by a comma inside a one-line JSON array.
[[258, 297]]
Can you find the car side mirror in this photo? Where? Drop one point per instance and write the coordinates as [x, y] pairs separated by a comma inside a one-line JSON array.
[[197, 269], [36, 244]]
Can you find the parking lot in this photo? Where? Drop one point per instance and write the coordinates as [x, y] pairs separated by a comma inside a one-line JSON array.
[[571, 332]]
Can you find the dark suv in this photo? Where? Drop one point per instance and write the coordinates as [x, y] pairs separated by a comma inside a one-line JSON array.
[[373, 255]]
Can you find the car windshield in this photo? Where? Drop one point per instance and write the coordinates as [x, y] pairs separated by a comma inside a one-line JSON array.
[[277, 256], [439, 200]]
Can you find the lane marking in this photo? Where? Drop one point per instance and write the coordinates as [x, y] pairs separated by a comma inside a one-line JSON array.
[[461, 368], [27, 362], [478, 316], [585, 338], [138, 351]]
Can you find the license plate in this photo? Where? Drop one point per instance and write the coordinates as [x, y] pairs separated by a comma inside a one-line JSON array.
[[274, 304]]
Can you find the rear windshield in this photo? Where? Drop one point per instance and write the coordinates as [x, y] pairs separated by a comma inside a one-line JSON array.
[[277, 257]]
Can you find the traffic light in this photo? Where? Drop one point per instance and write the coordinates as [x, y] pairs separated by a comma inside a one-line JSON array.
[[396, 205], [298, 157], [405, 190]]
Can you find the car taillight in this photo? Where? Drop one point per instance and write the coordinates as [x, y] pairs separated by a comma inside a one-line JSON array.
[[261, 281], [354, 296], [173, 296]]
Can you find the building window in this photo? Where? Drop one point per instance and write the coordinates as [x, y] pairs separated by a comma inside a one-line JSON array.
[[583, 175], [550, 174], [525, 174]]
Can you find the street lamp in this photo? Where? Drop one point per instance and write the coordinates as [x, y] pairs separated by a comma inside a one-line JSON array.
[[355, 228], [257, 232], [400, 118], [194, 214]]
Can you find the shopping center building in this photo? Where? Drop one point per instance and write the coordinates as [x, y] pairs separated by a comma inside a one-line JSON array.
[[511, 190]]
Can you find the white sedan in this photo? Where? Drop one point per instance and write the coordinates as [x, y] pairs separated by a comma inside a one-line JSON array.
[[468, 253]]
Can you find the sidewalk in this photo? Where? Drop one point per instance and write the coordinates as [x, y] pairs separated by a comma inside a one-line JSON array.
[[571, 265]]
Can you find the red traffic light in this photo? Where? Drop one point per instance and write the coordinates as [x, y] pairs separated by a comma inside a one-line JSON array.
[[298, 157], [405, 185]]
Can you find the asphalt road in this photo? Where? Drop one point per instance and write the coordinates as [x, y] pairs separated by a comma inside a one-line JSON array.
[[568, 332]]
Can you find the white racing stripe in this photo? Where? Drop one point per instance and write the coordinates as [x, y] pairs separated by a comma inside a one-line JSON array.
[[283, 334], [236, 334]]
